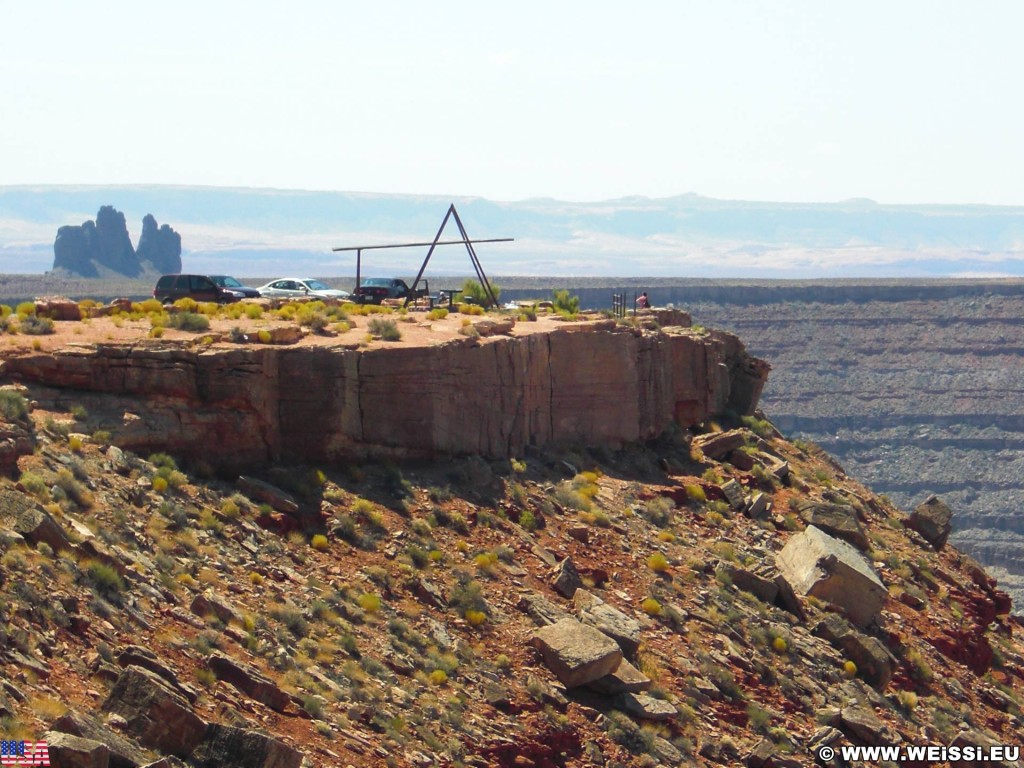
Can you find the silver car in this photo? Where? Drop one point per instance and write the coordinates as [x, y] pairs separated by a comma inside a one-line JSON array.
[[300, 288]]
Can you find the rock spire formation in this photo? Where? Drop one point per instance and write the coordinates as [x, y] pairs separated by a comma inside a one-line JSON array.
[[94, 246]]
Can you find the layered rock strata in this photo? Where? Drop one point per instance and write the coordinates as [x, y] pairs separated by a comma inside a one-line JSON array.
[[915, 388], [236, 408]]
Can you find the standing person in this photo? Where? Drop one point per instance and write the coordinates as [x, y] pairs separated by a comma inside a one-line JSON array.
[[643, 302]]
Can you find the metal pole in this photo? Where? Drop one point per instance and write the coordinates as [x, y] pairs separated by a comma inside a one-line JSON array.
[[433, 245], [476, 262]]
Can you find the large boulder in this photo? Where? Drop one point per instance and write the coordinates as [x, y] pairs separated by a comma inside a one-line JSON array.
[[623, 629], [124, 753], [874, 662], [249, 681], [933, 520], [21, 513], [566, 579], [240, 748], [839, 520], [68, 751], [718, 444], [156, 715], [575, 653], [819, 565]]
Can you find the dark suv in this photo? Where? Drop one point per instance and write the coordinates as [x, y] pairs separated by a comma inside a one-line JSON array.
[[217, 288], [374, 289]]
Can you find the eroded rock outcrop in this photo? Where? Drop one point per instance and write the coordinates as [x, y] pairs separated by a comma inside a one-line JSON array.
[[240, 408], [159, 245], [83, 249]]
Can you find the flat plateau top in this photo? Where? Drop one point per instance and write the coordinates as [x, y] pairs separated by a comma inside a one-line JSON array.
[[415, 327]]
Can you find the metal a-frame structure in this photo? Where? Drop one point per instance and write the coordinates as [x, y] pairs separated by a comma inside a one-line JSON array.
[[466, 240]]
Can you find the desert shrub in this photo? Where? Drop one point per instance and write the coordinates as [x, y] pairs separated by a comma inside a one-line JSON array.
[[104, 579], [659, 510], [757, 717], [186, 305], [162, 460], [147, 306], [651, 607], [13, 405], [907, 700], [72, 489], [471, 289], [760, 427], [657, 562], [189, 321], [528, 314], [570, 497], [919, 669], [34, 484], [626, 733], [384, 329], [528, 521], [566, 304], [725, 550], [471, 309], [438, 313], [25, 309], [35, 326], [696, 493], [319, 542], [369, 602]]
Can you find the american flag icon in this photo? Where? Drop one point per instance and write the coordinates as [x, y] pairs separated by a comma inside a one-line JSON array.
[[24, 753]]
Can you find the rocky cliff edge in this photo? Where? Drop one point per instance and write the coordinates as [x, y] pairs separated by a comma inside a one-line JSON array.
[[238, 407]]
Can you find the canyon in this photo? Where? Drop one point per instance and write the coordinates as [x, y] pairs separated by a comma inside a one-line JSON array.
[[915, 387]]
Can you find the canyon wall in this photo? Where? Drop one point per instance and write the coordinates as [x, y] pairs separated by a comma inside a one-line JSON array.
[[916, 390], [235, 408]]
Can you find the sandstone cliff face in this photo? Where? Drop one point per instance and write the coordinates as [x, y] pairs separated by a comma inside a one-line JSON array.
[[235, 408]]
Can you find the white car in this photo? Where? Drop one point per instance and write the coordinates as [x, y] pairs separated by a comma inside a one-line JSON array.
[[300, 288]]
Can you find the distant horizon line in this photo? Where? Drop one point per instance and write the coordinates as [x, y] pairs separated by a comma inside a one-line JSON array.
[[866, 202]]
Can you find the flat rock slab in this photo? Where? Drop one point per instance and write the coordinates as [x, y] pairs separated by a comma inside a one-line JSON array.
[[718, 444], [646, 707], [621, 628], [839, 520], [575, 653], [625, 679]]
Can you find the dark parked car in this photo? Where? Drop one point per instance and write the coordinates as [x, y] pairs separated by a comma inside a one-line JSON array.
[[226, 281], [170, 288], [373, 290]]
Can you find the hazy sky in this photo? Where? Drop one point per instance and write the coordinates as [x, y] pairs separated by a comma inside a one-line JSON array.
[[899, 101]]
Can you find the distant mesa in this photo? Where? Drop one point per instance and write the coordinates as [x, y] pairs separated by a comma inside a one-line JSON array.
[[103, 246]]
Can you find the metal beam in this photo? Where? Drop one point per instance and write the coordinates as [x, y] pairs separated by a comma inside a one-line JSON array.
[[418, 245]]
